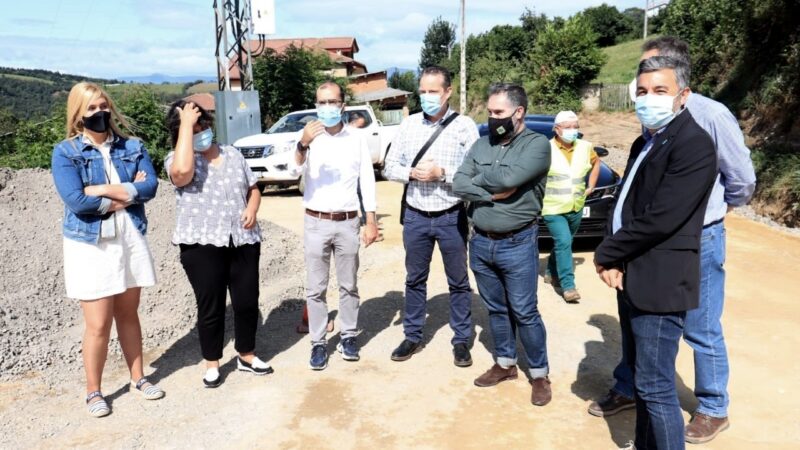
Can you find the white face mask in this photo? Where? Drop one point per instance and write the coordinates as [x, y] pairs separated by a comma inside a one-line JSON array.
[[655, 111], [569, 134]]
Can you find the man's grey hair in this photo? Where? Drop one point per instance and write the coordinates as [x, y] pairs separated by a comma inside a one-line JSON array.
[[657, 63], [669, 46], [515, 93]]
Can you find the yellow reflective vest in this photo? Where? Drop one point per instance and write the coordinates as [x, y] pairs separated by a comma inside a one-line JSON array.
[[566, 185]]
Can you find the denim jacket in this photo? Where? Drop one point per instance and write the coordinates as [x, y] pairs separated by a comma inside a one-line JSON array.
[[77, 164]]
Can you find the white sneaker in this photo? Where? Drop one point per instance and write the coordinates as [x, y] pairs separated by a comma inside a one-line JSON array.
[[257, 367], [212, 378]]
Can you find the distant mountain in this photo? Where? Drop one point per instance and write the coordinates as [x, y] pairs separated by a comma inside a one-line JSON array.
[[158, 78], [392, 70]]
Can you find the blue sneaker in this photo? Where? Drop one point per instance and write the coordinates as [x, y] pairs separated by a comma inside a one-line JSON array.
[[319, 357], [348, 348]]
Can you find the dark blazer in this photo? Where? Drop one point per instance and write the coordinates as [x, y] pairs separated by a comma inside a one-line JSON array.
[[662, 219]]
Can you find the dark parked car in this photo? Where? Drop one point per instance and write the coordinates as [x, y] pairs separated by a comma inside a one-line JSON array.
[[597, 207]]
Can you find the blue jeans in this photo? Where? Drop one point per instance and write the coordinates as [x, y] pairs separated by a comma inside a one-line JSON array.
[[703, 332], [420, 233], [652, 344], [505, 272], [563, 228]]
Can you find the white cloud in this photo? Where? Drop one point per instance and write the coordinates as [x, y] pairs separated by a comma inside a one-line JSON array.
[[176, 37]]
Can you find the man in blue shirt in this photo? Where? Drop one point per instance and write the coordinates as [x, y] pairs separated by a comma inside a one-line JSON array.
[[734, 186]]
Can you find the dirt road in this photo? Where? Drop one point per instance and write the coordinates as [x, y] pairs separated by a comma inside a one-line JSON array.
[[427, 402]]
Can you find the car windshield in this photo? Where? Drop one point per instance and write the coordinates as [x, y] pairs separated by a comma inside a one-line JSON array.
[[292, 122]]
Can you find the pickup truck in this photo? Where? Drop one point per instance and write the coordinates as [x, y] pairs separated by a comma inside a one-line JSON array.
[[270, 154]]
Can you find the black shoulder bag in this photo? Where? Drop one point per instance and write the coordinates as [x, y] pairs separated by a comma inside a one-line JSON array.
[[417, 158]]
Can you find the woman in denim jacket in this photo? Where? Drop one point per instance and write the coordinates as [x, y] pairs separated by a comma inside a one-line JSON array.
[[104, 178]]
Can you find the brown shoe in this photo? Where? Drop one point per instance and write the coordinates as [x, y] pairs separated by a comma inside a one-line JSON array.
[[496, 375], [611, 404], [703, 428], [540, 391], [571, 296]]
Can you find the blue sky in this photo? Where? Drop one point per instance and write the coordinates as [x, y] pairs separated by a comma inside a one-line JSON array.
[[115, 38]]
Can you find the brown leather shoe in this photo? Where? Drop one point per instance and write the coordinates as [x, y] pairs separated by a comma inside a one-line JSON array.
[[571, 296], [611, 404], [496, 375], [540, 391], [703, 428]]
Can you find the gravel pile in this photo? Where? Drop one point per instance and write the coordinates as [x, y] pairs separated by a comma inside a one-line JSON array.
[[41, 330]]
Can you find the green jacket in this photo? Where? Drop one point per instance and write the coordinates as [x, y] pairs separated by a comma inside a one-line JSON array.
[[492, 169]]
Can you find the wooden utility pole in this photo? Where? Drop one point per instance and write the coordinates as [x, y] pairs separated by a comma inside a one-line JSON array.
[[463, 60]]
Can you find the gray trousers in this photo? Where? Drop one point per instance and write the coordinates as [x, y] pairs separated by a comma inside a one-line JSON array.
[[321, 239]]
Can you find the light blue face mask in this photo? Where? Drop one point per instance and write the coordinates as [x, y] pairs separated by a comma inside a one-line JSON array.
[[202, 140], [569, 134], [655, 111], [431, 103], [329, 115]]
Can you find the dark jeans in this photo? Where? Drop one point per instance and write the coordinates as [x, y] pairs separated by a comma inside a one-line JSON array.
[[420, 233], [703, 332], [212, 271], [505, 272], [651, 341]]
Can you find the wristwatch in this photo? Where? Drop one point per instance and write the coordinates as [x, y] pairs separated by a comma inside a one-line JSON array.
[[301, 148], [442, 178]]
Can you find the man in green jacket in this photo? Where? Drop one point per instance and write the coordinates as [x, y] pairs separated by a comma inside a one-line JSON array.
[[503, 176]]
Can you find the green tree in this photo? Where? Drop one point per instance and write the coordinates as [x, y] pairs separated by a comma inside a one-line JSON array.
[[440, 36], [533, 24], [563, 60], [33, 141], [407, 81], [609, 25], [145, 114], [745, 53], [287, 82]]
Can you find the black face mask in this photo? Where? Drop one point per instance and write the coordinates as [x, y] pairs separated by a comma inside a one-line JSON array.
[[97, 122], [500, 129]]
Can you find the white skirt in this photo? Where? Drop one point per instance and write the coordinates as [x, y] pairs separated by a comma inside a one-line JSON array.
[[110, 267]]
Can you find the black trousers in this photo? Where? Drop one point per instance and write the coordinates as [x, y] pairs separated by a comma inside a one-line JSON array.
[[212, 271]]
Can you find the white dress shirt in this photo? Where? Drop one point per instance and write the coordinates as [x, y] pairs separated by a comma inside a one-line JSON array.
[[616, 222], [334, 167]]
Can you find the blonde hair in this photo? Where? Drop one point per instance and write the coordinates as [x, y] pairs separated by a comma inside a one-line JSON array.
[[78, 101]]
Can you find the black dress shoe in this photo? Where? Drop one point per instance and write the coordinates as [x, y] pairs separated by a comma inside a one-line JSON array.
[[461, 356], [406, 349]]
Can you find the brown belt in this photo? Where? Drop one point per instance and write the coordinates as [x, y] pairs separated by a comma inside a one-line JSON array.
[[500, 236], [335, 216]]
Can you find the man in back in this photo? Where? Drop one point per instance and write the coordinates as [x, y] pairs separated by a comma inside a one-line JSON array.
[[651, 256], [734, 186]]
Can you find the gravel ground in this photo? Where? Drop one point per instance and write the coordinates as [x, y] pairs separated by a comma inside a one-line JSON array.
[[41, 329]]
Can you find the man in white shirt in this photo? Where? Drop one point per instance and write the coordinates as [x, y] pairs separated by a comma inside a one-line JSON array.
[[334, 160]]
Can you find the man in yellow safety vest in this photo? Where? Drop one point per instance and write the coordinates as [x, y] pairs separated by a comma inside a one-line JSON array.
[[566, 192]]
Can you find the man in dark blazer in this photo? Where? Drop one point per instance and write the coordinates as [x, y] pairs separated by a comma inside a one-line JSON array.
[[650, 254]]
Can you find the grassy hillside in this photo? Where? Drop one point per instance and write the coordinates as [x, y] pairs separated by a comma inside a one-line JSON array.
[[13, 76], [623, 59], [167, 93], [31, 94]]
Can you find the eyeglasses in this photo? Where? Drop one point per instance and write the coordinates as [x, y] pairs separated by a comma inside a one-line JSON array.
[[329, 102]]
